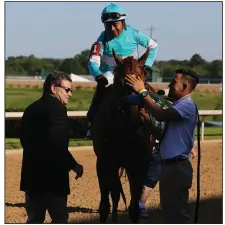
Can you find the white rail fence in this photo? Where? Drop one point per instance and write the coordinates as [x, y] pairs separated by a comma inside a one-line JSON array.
[[82, 114]]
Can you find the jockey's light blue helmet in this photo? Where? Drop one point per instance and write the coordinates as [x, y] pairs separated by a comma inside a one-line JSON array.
[[112, 13]]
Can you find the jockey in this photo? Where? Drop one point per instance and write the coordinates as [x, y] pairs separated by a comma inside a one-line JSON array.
[[124, 40]]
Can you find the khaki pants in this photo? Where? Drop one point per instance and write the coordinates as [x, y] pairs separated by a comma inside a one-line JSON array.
[[37, 204], [174, 184]]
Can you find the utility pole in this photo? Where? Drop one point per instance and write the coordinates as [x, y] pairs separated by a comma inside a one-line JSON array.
[[151, 29]]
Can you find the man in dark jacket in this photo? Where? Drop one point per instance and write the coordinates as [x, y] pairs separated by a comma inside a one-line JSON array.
[[46, 158]]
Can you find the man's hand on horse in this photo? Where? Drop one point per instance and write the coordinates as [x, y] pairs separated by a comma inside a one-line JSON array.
[[136, 83], [79, 170]]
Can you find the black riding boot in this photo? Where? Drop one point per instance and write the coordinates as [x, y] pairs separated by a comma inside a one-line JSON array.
[[96, 100]]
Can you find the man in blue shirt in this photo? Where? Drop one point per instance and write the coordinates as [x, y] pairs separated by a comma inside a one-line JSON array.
[[124, 40], [177, 142]]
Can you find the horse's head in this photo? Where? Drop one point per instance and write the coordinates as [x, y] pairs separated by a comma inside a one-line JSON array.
[[127, 66]]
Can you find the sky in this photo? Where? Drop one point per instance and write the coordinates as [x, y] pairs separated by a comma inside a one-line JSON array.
[[64, 29]]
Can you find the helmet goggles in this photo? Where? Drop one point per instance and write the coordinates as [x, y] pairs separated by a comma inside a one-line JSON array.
[[113, 16]]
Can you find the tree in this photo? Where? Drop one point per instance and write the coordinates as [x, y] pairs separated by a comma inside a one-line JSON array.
[[196, 60], [82, 59], [79, 65], [72, 65], [216, 68]]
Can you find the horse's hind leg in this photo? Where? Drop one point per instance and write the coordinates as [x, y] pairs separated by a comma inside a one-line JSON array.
[[104, 206], [104, 209]]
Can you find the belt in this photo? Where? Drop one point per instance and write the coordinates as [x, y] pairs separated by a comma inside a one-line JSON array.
[[173, 160]]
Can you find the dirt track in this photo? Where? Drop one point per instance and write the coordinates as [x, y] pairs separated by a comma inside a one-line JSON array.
[[84, 197]]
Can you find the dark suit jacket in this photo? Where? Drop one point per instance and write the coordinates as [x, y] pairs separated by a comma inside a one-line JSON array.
[[45, 138]]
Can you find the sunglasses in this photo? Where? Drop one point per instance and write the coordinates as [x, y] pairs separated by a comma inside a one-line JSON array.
[[67, 90], [113, 16]]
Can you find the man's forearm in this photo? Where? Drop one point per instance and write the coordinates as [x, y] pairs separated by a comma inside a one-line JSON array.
[[154, 109]]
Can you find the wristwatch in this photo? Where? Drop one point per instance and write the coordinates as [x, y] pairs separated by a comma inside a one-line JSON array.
[[143, 93]]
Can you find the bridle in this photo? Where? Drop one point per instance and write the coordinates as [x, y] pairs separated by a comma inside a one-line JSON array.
[[123, 89]]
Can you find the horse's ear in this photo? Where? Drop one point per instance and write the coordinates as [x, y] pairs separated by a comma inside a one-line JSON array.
[[117, 58], [144, 57]]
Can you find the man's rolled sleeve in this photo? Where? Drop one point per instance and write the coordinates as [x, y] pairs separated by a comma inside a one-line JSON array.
[[186, 108]]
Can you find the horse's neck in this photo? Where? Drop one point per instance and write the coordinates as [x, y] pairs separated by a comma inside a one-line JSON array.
[[110, 100], [149, 87]]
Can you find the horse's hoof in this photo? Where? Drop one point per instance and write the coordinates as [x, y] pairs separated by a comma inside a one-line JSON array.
[[134, 213], [114, 217], [104, 211]]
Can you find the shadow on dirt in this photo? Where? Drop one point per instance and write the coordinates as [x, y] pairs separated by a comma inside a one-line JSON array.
[[210, 212], [81, 210], [15, 204]]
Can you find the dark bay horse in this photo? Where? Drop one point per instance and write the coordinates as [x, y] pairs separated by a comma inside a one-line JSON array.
[[118, 142]]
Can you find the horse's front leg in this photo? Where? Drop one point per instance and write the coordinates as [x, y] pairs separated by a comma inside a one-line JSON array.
[[136, 182], [104, 206], [115, 193]]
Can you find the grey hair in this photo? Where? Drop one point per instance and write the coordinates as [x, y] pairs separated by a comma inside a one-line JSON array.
[[54, 78]]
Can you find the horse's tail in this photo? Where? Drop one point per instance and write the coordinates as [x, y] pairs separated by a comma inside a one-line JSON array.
[[121, 189]]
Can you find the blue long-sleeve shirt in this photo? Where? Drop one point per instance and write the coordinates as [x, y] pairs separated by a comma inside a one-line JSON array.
[[126, 44]]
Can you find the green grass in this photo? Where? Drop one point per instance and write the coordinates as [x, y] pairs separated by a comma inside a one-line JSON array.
[[210, 133], [19, 98], [207, 101]]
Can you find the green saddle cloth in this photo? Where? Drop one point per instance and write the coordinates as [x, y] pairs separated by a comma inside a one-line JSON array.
[[161, 102]]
